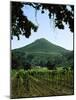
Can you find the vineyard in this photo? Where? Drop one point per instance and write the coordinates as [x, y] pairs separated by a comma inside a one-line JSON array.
[[38, 82]]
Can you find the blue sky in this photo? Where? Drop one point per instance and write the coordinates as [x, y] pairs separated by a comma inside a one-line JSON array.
[[46, 29]]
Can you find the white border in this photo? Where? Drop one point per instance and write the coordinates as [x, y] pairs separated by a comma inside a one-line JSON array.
[[5, 49]]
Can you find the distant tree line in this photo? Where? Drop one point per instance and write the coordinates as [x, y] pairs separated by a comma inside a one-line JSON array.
[[27, 61]]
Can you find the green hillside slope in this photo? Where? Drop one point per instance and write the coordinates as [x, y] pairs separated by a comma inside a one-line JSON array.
[[42, 46], [40, 53]]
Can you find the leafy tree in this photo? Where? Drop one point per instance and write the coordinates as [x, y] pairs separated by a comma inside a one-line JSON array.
[[14, 61], [18, 60], [50, 65], [20, 25], [70, 59], [27, 65]]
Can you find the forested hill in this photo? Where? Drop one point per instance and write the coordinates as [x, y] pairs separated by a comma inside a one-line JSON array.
[[39, 53], [42, 46]]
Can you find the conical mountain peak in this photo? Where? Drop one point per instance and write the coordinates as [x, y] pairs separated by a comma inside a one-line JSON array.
[[42, 45]]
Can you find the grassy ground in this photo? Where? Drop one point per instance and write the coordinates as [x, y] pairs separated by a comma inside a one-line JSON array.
[[41, 82]]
